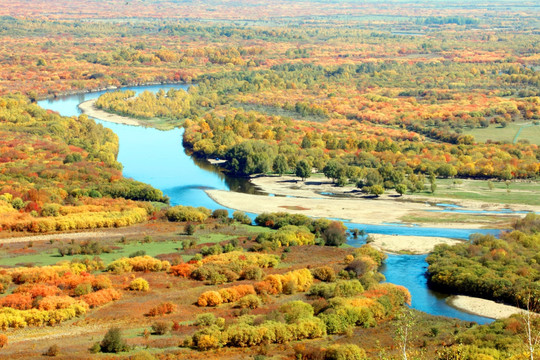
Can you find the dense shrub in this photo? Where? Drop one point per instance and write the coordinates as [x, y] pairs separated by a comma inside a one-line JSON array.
[[335, 234], [251, 301], [161, 327], [324, 273], [3, 340], [210, 298], [297, 280], [341, 288], [505, 269], [17, 301], [243, 260], [113, 341], [139, 284], [296, 310], [362, 265], [5, 281], [291, 235], [101, 282], [205, 319], [83, 289], [138, 263], [345, 352], [21, 318], [220, 214], [162, 309], [371, 252], [187, 213], [341, 316], [101, 297], [252, 273], [55, 302], [241, 217], [235, 293], [52, 351]]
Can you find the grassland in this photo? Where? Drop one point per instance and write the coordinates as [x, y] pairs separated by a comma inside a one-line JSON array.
[[517, 192], [512, 132]]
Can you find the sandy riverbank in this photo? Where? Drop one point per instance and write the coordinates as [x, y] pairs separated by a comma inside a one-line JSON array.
[[356, 210], [409, 244], [89, 108], [314, 187], [482, 307]]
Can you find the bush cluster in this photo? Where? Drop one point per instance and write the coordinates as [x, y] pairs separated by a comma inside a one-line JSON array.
[[139, 284], [138, 263], [162, 309], [288, 283], [187, 213]]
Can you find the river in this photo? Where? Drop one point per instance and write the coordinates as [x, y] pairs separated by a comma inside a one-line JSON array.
[[158, 158]]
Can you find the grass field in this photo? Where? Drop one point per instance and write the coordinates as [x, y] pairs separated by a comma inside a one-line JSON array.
[[520, 192], [508, 133], [152, 248]]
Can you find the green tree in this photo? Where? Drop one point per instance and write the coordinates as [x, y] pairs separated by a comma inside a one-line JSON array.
[[446, 171], [335, 234], [113, 342], [303, 169], [280, 165], [332, 170], [376, 190], [401, 189]]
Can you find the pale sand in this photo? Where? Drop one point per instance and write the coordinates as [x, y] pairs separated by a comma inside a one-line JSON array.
[[313, 187], [482, 307], [409, 244], [90, 109], [357, 210], [364, 211]]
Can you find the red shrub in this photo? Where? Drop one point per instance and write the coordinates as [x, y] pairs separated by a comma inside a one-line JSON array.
[[3, 340], [17, 301], [36, 290], [182, 270], [161, 309]]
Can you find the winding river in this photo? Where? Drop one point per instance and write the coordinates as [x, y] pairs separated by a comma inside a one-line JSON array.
[[158, 158]]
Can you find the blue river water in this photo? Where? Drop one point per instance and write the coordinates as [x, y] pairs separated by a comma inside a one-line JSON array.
[[158, 158]]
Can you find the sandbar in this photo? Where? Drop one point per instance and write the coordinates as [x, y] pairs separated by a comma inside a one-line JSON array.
[[483, 307], [90, 109], [409, 244]]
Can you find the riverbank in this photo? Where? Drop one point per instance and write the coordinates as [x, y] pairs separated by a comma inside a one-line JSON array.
[[90, 109], [483, 307], [409, 244], [378, 211], [320, 185]]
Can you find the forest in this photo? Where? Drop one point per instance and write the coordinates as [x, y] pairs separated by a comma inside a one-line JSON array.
[[394, 100]]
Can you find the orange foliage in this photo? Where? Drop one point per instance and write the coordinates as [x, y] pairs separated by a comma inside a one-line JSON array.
[[162, 309], [101, 297], [182, 270], [235, 293], [36, 290], [17, 301], [55, 302]]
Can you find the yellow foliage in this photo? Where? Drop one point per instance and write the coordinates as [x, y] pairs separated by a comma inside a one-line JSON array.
[[11, 318], [138, 263], [139, 284], [243, 259], [209, 298], [301, 280]]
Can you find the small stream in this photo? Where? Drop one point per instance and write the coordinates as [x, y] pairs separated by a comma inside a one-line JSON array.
[[158, 158]]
